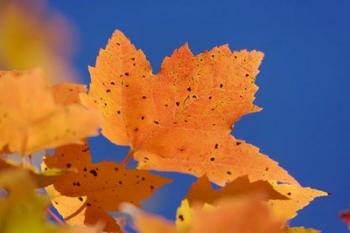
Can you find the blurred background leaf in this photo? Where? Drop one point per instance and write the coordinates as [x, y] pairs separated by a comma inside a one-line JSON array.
[[31, 35]]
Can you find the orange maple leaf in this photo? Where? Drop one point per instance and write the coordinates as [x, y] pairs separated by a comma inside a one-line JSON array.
[[181, 119], [99, 187]]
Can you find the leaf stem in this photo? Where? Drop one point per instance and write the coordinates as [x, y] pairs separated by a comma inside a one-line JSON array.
[[128, 157]]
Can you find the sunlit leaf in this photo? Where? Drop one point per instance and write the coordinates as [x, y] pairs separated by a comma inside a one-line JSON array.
[[31, 120], [181, 118], [298, 198]]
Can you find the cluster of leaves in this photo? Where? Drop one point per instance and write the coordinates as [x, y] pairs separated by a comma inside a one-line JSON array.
[[178, 120]]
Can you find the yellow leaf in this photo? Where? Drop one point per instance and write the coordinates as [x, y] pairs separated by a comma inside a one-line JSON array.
[[184, 216], [22, 209], [31, 120], [39, 179], [33, 36]]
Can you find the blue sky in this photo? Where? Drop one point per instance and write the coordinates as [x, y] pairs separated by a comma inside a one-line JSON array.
[[304, 80]]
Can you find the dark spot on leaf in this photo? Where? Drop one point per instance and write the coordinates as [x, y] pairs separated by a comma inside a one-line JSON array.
[[93, 172], [85, 149], [181, 217]]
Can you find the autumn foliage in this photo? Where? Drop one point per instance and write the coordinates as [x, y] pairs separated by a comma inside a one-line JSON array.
[[177, 120]]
